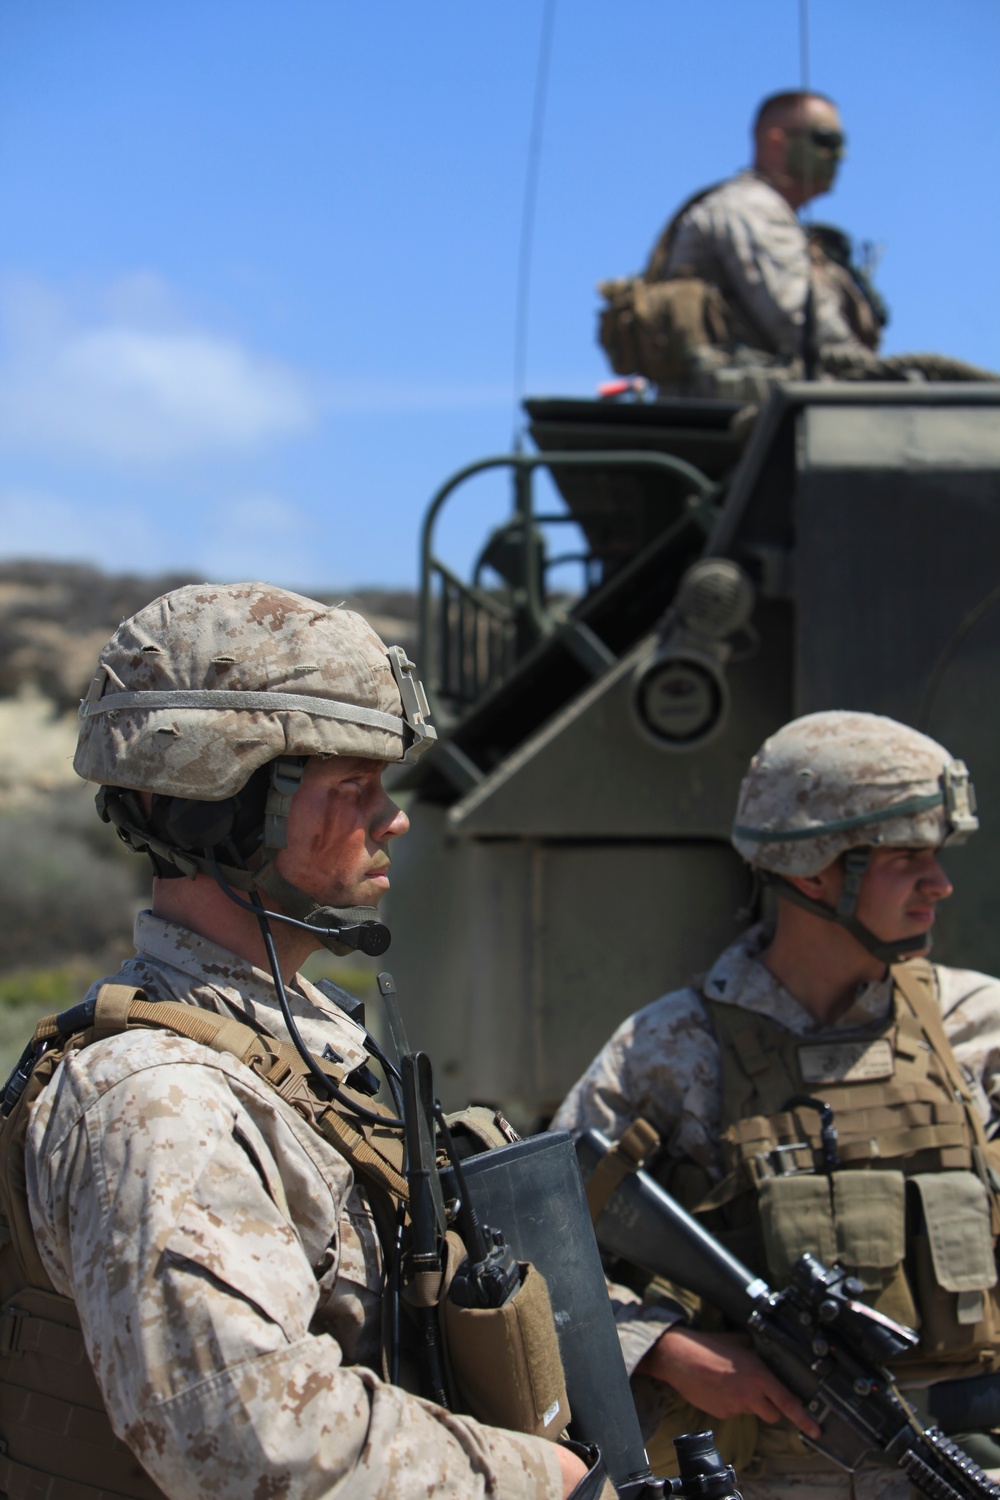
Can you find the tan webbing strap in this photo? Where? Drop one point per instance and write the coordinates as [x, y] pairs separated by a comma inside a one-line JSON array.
[[227, 1035], [220, 1033], [366, 1158], [660, 253], [45, 1030], [121, 1006], [915, 982], [112, 1008], [627, 1155]]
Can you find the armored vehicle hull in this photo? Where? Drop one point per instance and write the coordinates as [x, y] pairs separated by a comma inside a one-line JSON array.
[[569, 859]]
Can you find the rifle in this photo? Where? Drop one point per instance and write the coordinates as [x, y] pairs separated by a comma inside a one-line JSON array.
[[828, 1348]]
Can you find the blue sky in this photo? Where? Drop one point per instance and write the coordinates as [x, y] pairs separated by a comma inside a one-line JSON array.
[[258, 258]]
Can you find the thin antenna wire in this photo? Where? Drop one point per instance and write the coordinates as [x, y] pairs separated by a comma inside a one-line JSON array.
[[806, 210], [809, 350], [528, 213]]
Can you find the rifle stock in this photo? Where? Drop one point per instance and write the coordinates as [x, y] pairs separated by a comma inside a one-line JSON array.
[[829, 1349]]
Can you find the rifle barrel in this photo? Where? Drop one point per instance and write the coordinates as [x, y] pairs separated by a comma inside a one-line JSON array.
[[645, 1226]]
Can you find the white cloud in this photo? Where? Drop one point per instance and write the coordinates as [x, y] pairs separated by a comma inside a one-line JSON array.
[[130, 381]]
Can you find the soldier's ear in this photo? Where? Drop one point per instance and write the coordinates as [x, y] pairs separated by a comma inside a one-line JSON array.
[[823, 887], [809, 885]]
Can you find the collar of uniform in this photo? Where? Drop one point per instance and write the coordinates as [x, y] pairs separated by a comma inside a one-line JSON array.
[[777, 202], [739, 978], [191, 968]]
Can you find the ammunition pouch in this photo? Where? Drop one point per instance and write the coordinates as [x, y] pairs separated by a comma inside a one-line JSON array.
[[505, 1361], [954, 1268], [660, 328]]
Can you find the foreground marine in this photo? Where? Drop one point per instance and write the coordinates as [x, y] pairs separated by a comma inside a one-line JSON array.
[[202, 1219], [825, 1088]]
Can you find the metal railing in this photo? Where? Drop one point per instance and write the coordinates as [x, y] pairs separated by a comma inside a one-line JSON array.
[[471, 637]]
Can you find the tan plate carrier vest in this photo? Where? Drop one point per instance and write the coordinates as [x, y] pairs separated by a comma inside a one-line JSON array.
[[912, 1212], [56, 1439]]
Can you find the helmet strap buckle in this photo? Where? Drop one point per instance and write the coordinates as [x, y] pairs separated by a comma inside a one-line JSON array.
[[856, 862], [286, 778], [959, 802], [887, 951]]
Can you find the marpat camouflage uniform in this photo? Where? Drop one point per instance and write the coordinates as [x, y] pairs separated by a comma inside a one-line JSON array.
[[226, 1268], [664, 1064], [746, 239]]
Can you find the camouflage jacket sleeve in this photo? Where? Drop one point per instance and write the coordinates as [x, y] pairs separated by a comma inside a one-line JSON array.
[[746, 238], [223, 1267], [662, 1063]]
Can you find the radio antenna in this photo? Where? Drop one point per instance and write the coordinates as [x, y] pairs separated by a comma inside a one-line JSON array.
[[806, 210], [528, 212]]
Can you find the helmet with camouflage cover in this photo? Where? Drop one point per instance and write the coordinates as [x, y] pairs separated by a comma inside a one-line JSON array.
[[211, 698], [840, 783]]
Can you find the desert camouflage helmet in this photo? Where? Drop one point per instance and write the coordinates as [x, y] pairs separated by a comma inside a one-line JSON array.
[[838, 780], [212, 681]]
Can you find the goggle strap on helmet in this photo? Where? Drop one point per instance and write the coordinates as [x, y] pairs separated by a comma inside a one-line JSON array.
[[224, 698], [887, 952]]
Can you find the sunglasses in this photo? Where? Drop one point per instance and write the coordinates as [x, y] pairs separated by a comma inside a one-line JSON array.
[[826, 140]]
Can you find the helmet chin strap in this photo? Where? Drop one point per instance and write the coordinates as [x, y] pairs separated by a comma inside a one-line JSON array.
[[888, 951], [342, 929], [354, 926]]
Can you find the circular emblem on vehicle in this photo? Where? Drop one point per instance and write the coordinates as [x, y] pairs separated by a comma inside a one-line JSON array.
[[678, 702]]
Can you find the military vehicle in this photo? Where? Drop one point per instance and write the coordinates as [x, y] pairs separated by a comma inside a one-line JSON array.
[[569, 858]]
